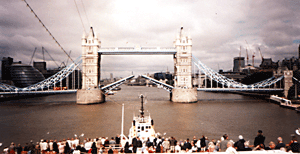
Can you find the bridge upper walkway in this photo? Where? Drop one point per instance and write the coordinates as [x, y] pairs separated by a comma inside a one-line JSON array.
[[137, 50]]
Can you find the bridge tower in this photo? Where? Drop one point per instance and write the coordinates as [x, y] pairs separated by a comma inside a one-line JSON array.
[[288, 81], [90, 92], [183, 90]]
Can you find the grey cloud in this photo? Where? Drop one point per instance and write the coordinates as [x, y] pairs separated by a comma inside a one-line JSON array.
[[215, 27]]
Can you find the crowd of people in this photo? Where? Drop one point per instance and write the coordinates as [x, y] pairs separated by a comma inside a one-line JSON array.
[[153, 144]]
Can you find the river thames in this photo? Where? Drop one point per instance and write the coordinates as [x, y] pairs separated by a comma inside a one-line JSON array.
[[59, 117]]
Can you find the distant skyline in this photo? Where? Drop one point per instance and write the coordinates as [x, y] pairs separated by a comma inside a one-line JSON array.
[[218, 29]]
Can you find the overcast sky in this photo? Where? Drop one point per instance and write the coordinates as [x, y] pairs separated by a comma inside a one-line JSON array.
[[218, 29]]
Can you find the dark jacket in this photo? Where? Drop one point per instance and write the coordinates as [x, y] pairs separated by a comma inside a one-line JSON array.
[[202, 143], [240, 145], [187, 145], [259, 139], [295, 147]]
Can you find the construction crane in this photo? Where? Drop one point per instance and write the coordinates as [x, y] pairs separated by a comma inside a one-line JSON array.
[[247, 56], [262, 58], [32, 56], [43, 49], [253, 54], [240, 58]]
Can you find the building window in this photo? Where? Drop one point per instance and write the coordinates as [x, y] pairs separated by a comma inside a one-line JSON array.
[[90, 50]]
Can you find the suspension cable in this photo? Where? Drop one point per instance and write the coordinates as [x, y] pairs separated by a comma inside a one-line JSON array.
[[48, 30], [85, 13], [79, 16]]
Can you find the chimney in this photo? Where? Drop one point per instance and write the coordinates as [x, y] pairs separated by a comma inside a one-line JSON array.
[[299, 52]]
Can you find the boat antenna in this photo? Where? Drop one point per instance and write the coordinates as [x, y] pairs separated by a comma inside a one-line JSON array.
[[142, 107]]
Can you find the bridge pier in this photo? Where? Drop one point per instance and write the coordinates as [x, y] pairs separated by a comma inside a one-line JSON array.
[[184, 95], [288, 82], [90, 96]]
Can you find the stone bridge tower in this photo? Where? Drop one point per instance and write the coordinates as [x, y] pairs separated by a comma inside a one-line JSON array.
[[183, 91], [90, 92]]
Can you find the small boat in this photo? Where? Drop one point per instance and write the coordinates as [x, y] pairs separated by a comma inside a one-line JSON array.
[[110, 93], [142, 126]]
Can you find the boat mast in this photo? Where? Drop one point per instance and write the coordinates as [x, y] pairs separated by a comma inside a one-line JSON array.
[[122, 130], [142, 108]]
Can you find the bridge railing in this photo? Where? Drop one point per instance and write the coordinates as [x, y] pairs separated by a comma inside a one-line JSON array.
[[65, 72], [116, 84], [158, 83], [229, 82], [137, 48]]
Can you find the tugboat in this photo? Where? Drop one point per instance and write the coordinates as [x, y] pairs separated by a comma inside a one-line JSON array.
[[142, 126]]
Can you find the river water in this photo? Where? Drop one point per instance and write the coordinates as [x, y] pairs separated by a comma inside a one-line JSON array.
[[59, 117]]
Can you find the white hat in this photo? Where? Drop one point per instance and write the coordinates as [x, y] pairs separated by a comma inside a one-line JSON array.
[[240, 137]]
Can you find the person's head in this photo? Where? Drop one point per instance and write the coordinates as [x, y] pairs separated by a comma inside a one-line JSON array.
[[294, 138], [246, 144], [259, 132], [229, 144], [211, 148], [241, 137], [279, 139], [272, 145], [225, 136]]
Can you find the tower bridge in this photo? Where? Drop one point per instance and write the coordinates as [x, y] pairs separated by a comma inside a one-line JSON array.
[[181, 91]]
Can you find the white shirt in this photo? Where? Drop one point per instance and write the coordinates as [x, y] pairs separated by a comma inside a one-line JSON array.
[[198, 144], [76, 142], [231, 150], [177, 148], [194, 149], [44, 146], [88, 146], [51, 145]]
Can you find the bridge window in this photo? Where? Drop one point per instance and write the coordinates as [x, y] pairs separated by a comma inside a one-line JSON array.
[[90, 50], [90, 71], [184, 70], [89, 82]]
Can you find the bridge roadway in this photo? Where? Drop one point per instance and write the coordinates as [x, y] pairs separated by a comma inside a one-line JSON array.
[[39, 92], [240, 89]]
